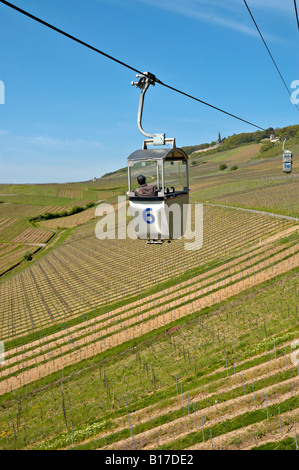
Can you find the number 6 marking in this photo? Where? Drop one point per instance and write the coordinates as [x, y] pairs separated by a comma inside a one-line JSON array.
[[148, 217]]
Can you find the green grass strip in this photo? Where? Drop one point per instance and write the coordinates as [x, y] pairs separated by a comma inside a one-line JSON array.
[[285, 444], [230, 425], [106, 422]]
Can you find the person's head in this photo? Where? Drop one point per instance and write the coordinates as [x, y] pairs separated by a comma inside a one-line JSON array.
[[141, 179]]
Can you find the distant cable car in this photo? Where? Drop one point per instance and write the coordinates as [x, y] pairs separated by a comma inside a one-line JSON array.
[[287, 160], [159, 205]]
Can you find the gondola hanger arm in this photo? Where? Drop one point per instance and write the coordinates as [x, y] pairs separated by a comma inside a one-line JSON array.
[[145, 80]]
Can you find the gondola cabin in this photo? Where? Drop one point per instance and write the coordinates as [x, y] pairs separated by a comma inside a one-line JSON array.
[[161, 215], [287, 161]]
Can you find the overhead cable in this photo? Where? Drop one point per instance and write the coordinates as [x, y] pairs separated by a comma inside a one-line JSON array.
[[296, 12], [272, 58], [108, 56]]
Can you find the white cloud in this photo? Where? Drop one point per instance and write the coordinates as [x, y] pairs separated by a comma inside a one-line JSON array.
[[231, 14], [268, 5], [190, 8], [48, 142]]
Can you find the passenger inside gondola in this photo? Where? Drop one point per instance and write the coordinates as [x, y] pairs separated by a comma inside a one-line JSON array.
[[144, 189]]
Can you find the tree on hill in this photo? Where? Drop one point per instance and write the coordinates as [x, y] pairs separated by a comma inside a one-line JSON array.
[[236, 140], [289, 132], [27, 256], [194, 148], [267, 147]]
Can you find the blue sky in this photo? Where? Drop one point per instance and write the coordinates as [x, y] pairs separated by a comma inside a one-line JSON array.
[[70, 114]]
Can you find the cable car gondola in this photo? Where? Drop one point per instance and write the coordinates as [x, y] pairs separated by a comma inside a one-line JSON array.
[[162, 215], [287, 160]]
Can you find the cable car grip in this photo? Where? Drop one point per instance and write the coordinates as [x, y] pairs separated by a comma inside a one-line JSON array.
[[145, 80]]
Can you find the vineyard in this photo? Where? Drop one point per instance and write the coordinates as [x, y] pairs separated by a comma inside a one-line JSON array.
[[70, 221], [17, 237], [116, 344], [181, 374], [20, 203]]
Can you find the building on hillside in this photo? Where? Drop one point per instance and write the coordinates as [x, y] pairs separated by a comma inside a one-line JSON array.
[[219, 140], [273, 138]]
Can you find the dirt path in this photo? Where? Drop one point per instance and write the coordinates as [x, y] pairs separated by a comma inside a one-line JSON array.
[[253, 435], [259, 372], [53, 365], [216, 413], [255, 373], [271, 214], [279, 235]]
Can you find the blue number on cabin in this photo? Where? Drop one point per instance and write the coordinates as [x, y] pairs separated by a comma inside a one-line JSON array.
[[148, 217]]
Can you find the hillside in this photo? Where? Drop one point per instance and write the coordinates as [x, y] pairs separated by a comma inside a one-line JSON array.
[[116, 344]]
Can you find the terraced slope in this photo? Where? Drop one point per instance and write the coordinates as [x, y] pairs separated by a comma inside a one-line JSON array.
[[113, 326], [17, 236], [225, 370], [85, 273], [19, 203]]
